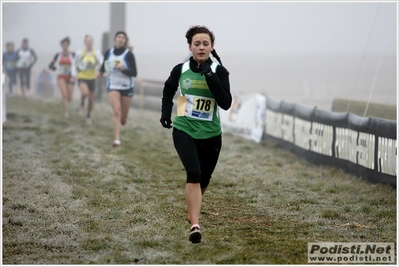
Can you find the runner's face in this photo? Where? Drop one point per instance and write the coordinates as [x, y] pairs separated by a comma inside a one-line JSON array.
[[201, 47], [89, 42], [10, 48], [120, 40], [65, 46]]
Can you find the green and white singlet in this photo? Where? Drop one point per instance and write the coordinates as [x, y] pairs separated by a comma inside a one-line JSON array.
[[197, 110]]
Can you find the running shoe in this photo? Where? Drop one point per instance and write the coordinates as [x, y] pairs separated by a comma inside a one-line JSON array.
[[81, 111], [116, 143], [195, 234], [89, 121]]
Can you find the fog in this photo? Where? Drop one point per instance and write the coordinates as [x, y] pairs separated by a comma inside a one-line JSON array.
[[303, 52]]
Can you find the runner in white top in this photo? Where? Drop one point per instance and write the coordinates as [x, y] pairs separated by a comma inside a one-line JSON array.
[[120, 66], [26, 59]]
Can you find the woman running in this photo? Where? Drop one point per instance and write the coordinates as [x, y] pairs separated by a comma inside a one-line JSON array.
[[87, 62], [9, 65], [26, 59], [204, 87], [65, 67], [120, 65]]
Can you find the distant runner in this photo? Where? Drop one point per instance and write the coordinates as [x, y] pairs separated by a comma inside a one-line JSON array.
[[87, 62], [65, 67], [120, 65], [26, 59], [10, 58]]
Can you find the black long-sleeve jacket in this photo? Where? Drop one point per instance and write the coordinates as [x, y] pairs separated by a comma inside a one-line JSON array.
[[218, 84]]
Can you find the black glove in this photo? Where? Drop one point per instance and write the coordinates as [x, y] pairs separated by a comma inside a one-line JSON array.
[[205, 69], [166, 122]]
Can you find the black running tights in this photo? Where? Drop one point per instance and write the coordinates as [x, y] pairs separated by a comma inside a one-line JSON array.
[[199, 156]]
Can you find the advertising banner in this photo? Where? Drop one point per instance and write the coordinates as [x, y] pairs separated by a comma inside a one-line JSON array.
[[363, 146], [246, 116]]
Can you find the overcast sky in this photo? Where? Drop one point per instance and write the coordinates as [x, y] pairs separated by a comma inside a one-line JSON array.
[[339, 43], [239, 27]]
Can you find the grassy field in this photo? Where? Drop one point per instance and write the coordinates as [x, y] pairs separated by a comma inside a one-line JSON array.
[[69, 197]]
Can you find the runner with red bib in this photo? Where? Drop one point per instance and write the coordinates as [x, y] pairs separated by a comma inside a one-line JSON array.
[[64, 65]]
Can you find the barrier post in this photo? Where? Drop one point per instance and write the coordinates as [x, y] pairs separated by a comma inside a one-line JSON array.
[[141, 95]]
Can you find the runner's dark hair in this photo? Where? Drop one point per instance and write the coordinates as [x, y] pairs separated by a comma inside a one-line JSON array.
[[66, 39]]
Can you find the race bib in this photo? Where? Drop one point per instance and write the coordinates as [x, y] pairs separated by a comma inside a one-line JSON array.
[[10, 65], [111, 65], [197, 107], [82, 65], [22, 63], [86, 65], [64, 69]]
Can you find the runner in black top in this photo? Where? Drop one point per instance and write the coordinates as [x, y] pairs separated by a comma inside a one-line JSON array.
[[204, 87]]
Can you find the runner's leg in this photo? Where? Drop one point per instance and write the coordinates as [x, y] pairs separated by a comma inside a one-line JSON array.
[[126, 100], [187, 150], [208, 154], [84, 90], [115, 100], [91, 94], [62, 85], [91, 102], [21, 80], [27, 79]]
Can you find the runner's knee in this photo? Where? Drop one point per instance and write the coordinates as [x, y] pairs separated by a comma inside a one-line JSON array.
[[205, 182], [193, 177], [117, 112]]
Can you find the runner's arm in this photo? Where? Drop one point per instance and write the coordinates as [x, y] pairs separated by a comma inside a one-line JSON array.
[[102, 68], [34, 58], [219, 85], [78, 57], [73, 65], [169, 91], [132, 72], [51, 66], [99, 57]]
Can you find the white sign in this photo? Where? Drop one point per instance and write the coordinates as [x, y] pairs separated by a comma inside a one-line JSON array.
[[246, 116]]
